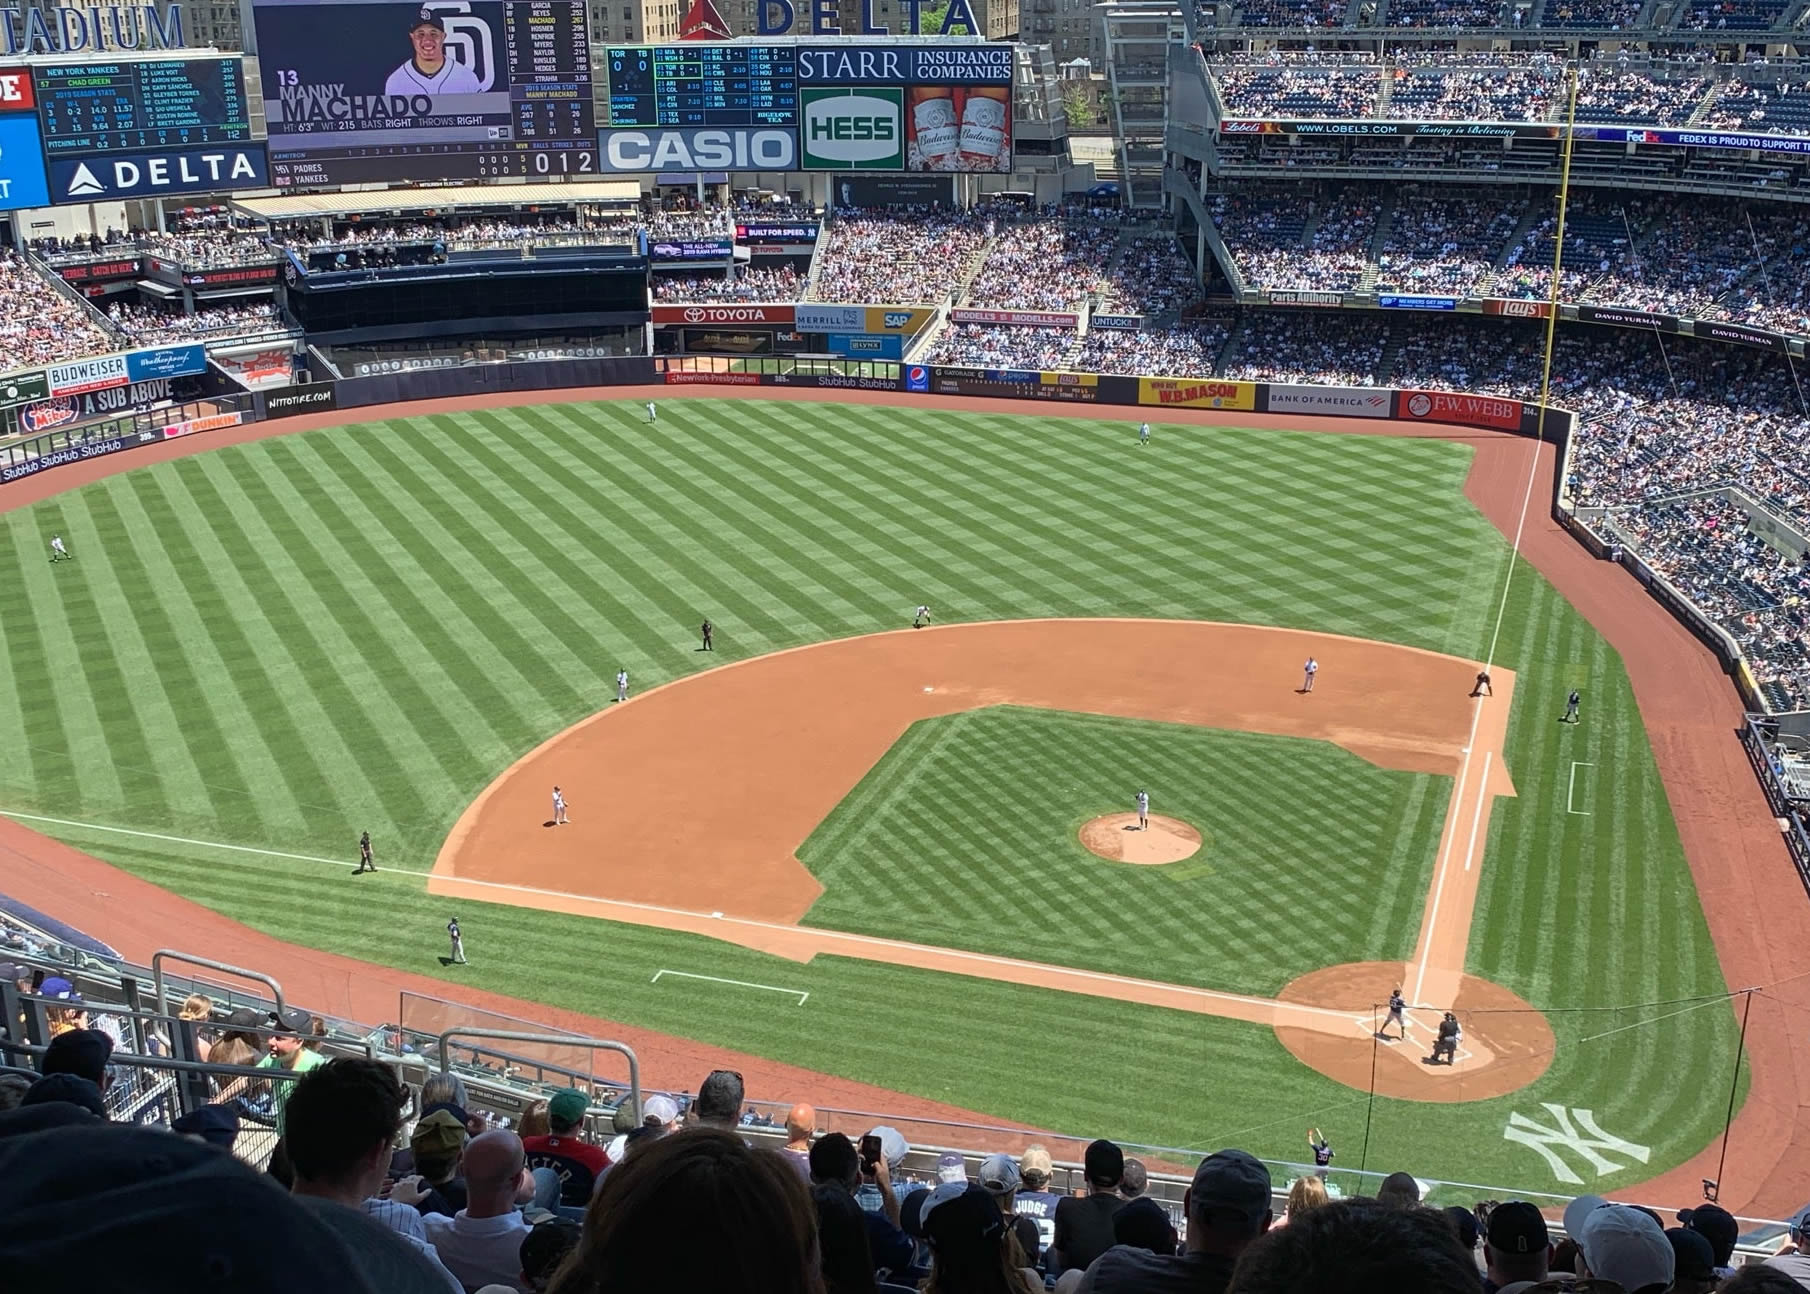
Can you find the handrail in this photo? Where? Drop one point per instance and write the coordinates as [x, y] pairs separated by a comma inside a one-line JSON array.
[[192, 959], [549, 1039]]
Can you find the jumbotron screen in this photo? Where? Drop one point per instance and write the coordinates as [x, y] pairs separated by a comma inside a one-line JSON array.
[[357, 92]]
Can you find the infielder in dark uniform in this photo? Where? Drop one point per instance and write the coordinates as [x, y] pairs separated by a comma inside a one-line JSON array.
[[1571, 704], [705, 629], [458, 942], [1397, 1004], [364, 855]]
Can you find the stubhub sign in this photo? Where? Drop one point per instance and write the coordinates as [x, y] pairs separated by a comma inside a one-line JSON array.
[[222, 169], [727, 148]]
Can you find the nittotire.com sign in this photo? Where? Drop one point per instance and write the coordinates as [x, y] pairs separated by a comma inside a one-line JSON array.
[[851, 130]]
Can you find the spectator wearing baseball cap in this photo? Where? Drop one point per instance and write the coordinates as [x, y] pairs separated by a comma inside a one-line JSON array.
[[563, 1151], [1359, 1244], [1627, 1246], [1084, 1224], [951, 1167], [1693, 1262], [1517, 1248], [1718, 1226], [286, 1051], [437, 1145], [1145, 1224], [1136, 1179], [217, 1125], [1794, 1259], [82, 1052], [68, 1089], [875, 1193], [972, 1251], [998, 1175], [1228, 1207], [1035, 1200]]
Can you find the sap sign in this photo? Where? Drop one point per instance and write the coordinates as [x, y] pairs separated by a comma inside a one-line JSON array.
[[735, 148], [843, 130], [153, 175]]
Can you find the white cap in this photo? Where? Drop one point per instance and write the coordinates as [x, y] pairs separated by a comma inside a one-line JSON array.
[[1626, 1246], [659, 1109]]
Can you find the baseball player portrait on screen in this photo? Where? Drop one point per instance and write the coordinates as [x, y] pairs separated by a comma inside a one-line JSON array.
[[432, 68]]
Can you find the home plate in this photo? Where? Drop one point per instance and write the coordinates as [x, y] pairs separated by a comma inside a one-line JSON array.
[[930, 689]]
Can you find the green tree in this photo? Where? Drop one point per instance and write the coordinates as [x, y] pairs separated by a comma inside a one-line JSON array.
[[1077, 107], [931, 17]]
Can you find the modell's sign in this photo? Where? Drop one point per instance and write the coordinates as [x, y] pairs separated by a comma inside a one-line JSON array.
[[1015, 318], [780, 315]]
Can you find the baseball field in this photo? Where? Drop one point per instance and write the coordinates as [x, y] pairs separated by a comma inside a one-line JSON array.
[[414, 627]]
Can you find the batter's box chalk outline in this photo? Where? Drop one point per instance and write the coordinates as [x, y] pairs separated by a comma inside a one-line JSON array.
[[1367, 1025], [799, 993]]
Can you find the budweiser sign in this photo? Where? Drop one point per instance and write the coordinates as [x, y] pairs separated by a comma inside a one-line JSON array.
[[779, 315]]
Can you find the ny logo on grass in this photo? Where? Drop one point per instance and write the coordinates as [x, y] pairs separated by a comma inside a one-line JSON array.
[[1574, 1130]]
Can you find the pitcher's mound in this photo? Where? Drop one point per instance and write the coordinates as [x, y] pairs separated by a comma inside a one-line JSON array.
[[1116, 836]]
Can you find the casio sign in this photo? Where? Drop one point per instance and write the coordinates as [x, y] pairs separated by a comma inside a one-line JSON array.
[[731, 149]]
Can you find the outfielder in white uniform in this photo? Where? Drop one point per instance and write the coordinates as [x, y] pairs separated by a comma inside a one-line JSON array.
[[1143, 810], [622, 685], [1308, 671], [651, 411], [1144, 433], [428, 70], [559, 808], [58, 553], [920, 617]]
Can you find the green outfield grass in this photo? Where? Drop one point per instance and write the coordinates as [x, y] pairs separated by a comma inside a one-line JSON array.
[[1294, 833], [281, 644]]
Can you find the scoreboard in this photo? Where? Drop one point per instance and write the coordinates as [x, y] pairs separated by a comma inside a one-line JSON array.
[[703, 85], [368, 91], [139, 106]]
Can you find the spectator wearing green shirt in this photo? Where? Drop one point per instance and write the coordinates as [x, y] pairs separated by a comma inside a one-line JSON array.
[[287, 1051]]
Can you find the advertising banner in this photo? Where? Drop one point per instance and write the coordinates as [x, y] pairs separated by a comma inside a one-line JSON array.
[[917, 378], [94, 271], [1397, 129], [48, 415], [237, 276], [1334, 401], [75, 454], [837, 381], [1307, 298], [1392, 302], [867, 345], [163, 173], [22, 179], [317, 397], [1740, 334], [213, 422], [88, 375], [1765, 143], [852, 130], [1510, 308], [675, 378], [666, 251], [1016, 384], [1465, 410], [739, 148], [815, 318], [1015, 318], [1196, 393], [899, 319], [777, 315], [941, 63], [108, 402], [769, 231], [166, 361], [1626, 318], [1122, 323], [23, 388]]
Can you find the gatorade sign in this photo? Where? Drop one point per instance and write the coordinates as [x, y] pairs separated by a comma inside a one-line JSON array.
[[851, 130]]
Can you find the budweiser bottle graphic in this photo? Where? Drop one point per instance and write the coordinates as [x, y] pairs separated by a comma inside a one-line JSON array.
[[984, 121], [933, 125]]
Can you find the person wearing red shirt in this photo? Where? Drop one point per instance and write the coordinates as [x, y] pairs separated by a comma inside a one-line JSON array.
[[575, 1162]]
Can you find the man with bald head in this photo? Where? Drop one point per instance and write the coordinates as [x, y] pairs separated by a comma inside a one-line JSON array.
[[801, 1126], [481, 1244]]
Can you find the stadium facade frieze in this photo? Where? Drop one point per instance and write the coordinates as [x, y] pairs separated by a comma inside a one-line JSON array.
[[1764, 142]]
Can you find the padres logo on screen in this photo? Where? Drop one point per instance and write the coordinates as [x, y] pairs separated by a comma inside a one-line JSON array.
[[448, 57], [860, 130]]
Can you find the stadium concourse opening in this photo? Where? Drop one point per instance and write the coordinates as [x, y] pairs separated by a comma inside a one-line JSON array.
[[717, 779]]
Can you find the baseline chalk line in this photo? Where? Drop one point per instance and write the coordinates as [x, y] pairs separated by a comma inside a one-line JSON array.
[[185, 840], [1571, 788], [802, 996]]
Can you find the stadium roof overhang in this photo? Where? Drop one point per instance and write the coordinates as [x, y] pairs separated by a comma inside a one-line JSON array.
[[300, 206]]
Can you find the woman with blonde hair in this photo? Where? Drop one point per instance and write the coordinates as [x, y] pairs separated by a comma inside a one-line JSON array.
[[198, 1009], [1307, 1193]]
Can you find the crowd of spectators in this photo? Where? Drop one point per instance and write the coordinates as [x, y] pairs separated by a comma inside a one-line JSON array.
[[1046, 262], [747, 283], [686, 1201], [1444, 246], [696, 222], [1611, 14], [1525, 88], [1303, 346], [41, 323], [1445, 13], [1152, 278], [1609, 91], [1298, 86], [897, 255], [1291, 13], [1750, 106], [1280, 242], [148, 323], [1186, 350], [209, 248], [986, 346]]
